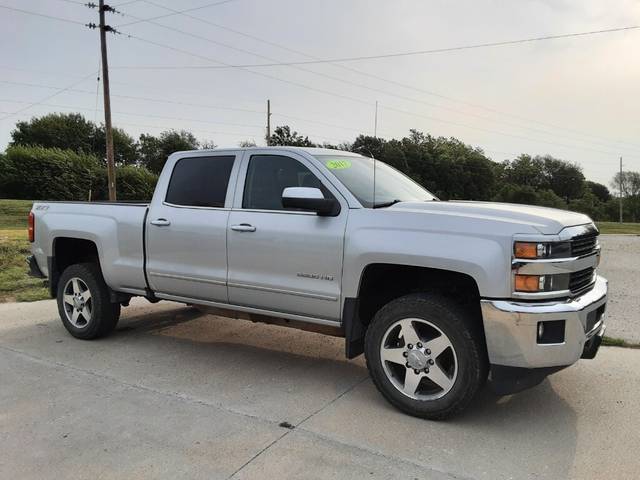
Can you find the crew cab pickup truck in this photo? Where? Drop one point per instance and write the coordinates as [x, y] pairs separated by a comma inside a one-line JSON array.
[[439, 295]]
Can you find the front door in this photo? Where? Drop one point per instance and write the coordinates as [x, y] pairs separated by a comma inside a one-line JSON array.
[[187, 230], [284, 260]]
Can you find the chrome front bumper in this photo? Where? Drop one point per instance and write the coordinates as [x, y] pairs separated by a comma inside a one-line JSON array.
[[511, 329]]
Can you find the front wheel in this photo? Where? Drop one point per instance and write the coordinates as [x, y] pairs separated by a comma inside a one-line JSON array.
[[84, 304], [426, 355]]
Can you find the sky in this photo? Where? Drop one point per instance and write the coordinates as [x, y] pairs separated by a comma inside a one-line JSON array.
[[574, 98]]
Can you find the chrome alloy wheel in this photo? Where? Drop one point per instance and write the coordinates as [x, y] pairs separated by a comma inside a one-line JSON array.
[[77, 303], [419, 359]]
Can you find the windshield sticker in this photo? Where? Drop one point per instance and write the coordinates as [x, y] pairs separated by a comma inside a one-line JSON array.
[[338, 164]]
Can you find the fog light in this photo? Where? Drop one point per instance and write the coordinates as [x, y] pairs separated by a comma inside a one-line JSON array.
[[551, 332]]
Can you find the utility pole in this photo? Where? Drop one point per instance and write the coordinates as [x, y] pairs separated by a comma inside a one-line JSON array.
[[375, 123], [620, 187], [111, 168], [104, 28], [268, 121]]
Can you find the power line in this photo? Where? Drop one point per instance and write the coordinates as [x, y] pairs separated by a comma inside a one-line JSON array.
[[313, 61], [355, 99], [338, 79], [145, 86], [139, 20], [298, 84], [41, 102], [377, 77], [405, 54], [134, 97], [164, 117], [37, 14], [496, 132]]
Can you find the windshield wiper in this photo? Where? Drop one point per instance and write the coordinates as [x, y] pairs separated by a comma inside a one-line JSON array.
[[386, 204]]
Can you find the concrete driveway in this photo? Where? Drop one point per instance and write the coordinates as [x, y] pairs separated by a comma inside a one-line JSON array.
[[177, 394], [621, 266]]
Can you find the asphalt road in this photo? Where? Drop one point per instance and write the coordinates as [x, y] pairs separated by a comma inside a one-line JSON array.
[[621, 266], [177, 394]]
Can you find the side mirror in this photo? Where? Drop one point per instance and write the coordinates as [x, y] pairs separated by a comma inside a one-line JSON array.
[[309, 199]]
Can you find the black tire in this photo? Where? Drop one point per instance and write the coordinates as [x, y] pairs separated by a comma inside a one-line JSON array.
[[467, 341], [104, 314]]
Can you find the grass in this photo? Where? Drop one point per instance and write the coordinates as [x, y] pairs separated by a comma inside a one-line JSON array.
[[14, 213], [615, 227], [15, 283], [618, 342]]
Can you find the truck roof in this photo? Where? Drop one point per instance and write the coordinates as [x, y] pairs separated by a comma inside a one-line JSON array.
[[310, 150]]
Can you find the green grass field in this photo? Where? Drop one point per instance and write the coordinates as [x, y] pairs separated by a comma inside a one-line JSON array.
[[615, 227], [15, 284]]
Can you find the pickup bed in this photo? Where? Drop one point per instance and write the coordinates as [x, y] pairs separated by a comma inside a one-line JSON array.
[[439, 296]]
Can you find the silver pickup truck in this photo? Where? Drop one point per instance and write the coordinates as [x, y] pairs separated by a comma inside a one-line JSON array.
[[438, 295]]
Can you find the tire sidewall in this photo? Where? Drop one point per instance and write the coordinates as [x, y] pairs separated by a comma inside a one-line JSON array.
[[448, 318], [99, 305]]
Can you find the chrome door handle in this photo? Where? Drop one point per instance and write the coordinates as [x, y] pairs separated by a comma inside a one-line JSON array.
[[161, 222], [243, 227]]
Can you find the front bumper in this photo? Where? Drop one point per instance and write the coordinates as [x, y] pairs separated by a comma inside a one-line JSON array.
[[511, 329]]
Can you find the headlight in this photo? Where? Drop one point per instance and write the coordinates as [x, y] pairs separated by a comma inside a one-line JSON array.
[[541, 250]]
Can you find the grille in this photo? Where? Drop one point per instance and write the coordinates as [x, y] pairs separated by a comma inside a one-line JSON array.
[[584, 244], [579, 281]]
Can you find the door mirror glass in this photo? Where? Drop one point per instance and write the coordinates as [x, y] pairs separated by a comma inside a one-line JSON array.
[[309, 199]]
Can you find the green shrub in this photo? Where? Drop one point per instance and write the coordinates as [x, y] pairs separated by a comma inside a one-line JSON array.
[[53, 174]]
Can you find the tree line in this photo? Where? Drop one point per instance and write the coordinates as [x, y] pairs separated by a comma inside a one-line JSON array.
[[61, 157]]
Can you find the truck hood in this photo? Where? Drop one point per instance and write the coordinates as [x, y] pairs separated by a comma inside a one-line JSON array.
[[546, 220]]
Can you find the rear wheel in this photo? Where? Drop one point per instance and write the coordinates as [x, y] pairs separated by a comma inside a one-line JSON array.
[[84, 304], [425, 355]]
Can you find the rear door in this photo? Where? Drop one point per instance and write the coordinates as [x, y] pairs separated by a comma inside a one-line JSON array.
[[284, 260], [187, 229]]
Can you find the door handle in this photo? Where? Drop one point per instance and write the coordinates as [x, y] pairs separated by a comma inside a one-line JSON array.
[[161, 222], [243, 227]]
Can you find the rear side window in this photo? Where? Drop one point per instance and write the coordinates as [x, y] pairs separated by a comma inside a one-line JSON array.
[[269, 175], [200, 181]]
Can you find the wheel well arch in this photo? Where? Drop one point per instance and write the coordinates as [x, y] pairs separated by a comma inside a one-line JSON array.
[[66, 251], [381, 283]]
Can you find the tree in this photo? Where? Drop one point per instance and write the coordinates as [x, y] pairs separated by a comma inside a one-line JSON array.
[[630, 183], [67, 131], [125, 149], [368, 146], [528, 195], [564, 178], [71, 131], [154, 151], [284, 136], [589, 204], [599, 190], [207, 145], [247, 143], [525, 171]]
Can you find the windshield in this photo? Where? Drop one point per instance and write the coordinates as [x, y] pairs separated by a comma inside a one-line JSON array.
[[391, 186]]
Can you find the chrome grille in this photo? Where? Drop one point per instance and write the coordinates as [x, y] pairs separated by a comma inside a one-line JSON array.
[[580, 281], [584, 244]]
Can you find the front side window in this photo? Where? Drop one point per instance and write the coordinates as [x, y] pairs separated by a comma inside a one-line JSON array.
[[200, 181], [357, 174], [269, 175]]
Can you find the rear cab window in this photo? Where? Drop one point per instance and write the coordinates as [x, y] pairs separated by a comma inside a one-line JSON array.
[[200, 181]]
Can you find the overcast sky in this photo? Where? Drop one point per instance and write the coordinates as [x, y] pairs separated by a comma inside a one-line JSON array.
[[576, 98]]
